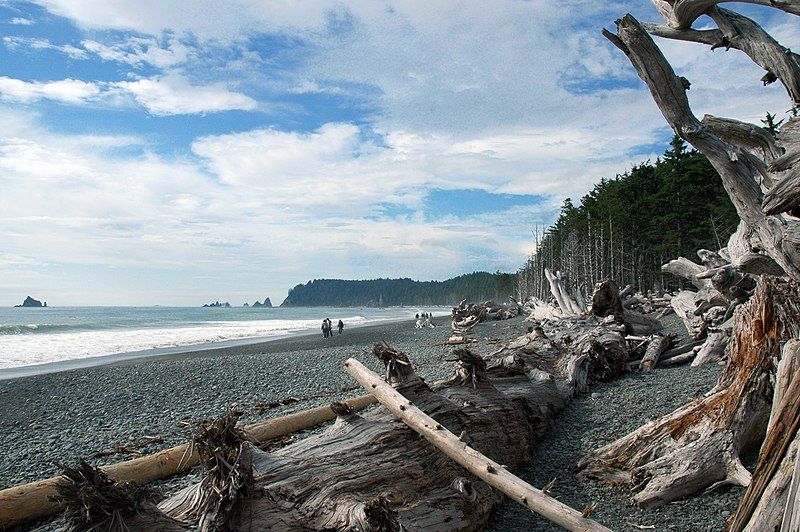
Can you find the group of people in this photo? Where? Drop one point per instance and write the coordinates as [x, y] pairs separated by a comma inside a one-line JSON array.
[[423, 320], [327, 327]]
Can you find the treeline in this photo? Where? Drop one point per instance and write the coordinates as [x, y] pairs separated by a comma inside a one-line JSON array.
[[627, 227], [477, 286]]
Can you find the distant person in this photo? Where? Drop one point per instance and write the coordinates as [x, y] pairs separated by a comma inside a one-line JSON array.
[[330, 328], [341, 326], [325, 328], [416, 317]]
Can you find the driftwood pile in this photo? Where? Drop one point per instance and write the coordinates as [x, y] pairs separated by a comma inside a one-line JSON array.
[[373, 472], [465, 316], [756, 401]]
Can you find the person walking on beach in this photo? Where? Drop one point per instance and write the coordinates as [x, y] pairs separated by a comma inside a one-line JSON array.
[[325, 328], [341, 326]]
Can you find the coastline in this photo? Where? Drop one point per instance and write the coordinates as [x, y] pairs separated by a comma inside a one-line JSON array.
[[253, 345], [61, 417]]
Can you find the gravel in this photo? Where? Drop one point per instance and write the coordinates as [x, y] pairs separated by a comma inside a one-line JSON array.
[[61, 417]]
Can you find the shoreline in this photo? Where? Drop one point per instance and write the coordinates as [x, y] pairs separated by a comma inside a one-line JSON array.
[[253, 345]]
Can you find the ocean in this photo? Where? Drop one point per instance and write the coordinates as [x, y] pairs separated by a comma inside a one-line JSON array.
[[30, 336]]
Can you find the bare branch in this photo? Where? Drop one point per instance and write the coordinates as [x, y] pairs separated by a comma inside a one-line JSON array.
[[747, 36], [680, 14], [738, 170], [745, 136]]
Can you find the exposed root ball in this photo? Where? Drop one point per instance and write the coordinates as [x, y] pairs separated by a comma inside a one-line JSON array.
[[92, 501], [469, 368], [227, 472], [398, 367]]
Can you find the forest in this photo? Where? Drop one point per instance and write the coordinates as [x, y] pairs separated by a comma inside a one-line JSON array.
[[625, 228], [476, 286]]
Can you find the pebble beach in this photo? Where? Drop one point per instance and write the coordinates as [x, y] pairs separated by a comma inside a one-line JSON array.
[[147, 403]]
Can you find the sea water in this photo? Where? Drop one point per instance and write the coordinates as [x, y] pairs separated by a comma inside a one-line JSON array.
[[31, 336]]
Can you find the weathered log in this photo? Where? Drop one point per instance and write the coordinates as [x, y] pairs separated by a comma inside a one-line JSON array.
[[684, 305], [757, 140], [764, 503], [30, 501], [785, 195], [681, 349], [625, 292], [712, 349], [331, 480], [758, 264], [740, 176], [606, 301], [680, 359], [473, 461], [565, 303], [658, 344], [699, 444], [687, 269]]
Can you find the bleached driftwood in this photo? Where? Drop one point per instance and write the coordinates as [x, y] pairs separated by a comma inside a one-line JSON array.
[[470, 459], [364, 472], [565, 302], [31, 501], [658, 344], [699, 444]]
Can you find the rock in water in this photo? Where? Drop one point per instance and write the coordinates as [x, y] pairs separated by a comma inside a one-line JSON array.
[[30, 302]]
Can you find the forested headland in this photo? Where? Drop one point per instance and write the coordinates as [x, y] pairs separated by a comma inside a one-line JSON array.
[[476, 286], [625, 228]]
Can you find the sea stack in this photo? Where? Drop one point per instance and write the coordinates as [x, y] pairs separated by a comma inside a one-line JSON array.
[[266, 304], [30, 302]]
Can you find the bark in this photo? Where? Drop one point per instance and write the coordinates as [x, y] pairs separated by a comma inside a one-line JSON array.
[[657, 345], [687, 269], [33, 500], [757, 264], [764, 504], [680, 14], [473, 461], [698, 445], [372, 471]]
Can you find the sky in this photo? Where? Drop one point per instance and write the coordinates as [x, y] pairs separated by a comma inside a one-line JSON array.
[[175, 153]]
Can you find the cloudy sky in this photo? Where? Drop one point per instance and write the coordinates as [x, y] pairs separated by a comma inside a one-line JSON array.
[[172, 152]]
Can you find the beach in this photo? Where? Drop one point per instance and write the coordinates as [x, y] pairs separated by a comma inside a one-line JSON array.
[[61, 417]]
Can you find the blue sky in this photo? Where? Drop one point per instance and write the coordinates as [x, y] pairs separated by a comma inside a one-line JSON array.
[[169, 152]]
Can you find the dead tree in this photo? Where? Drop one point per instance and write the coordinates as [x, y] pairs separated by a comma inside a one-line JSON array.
[[698, 445]]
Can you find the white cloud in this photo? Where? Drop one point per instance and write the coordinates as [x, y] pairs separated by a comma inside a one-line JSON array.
[[20, 21], [160, 95], [13, 42], [172, 95], [70, 91], [137, 51]]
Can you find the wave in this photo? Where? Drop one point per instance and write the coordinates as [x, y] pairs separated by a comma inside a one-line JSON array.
[[37, 328], [57, 344]]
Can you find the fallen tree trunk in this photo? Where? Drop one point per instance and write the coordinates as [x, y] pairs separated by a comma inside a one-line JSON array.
[[658, 344], [699, 444], [373, 472], [764, 505], [33, 500], [473, 461]]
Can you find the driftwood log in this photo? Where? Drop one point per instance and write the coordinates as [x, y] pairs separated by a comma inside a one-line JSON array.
[[473, 461], [31, 501], [657, 345], [699, 445], [373, 472]]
